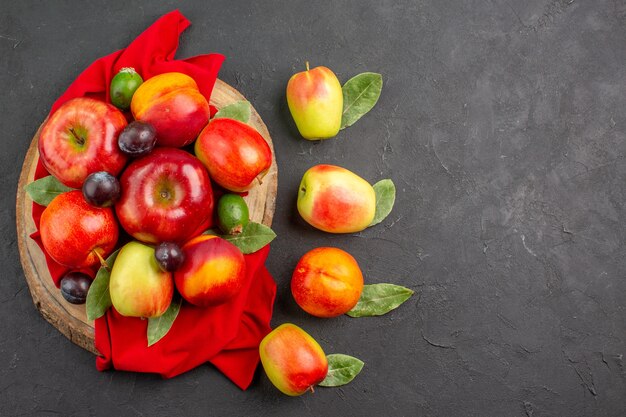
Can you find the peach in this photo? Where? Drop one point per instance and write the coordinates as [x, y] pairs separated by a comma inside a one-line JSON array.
[[173, 104], [327, 282], [336, 200], [213, 272]]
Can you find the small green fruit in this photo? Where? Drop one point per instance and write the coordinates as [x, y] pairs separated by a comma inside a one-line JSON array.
[[232, 214], [123, 86]]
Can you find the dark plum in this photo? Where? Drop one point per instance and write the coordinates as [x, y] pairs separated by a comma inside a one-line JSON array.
[[169, 256], [101, 189], [74, 287], [137, 139]]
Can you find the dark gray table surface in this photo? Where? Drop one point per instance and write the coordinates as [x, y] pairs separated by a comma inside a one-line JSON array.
[[503, 126]]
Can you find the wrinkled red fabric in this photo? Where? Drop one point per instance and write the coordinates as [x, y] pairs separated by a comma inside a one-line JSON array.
[[228, 335]]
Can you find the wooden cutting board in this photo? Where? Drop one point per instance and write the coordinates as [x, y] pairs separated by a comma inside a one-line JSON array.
[[70, 319]]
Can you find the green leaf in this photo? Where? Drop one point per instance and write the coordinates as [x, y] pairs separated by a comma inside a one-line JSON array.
[[341, 370], [45, 189], [239, 110], [360, 94], [253, 237], [385, 197], [99, 297], [379, 299], [159, 326]]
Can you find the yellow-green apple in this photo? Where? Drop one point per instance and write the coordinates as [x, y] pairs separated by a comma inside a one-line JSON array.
[[80, 138], [166, 197], [327, 282], [75, 233], [212, 273], [315, 100], [234, 153], [292, 359], [336, 200], [173, 104], [138, 287]]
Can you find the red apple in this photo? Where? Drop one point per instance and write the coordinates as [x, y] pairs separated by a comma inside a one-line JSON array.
[[213, 272], [80, 138], [234, 153], [72, 231], [166, 196]]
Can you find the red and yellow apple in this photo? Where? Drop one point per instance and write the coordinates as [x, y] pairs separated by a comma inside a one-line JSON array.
[[166, 197], [138, 287], [235, 154], [327, 282], [173, 104], [80, 138], [315, 100], [213, 272], [76, 234], [292, 359], [336, 200]]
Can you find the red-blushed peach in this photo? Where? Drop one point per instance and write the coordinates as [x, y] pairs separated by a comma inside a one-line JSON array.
[[173, 104], [327, 282], [213, 272], [234, 153], [292, 359], [315, 100], [138, 287], [336, 200], [76, 234], [80, 138]]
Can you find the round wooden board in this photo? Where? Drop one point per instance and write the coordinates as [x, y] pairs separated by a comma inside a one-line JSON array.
[[70, 319]]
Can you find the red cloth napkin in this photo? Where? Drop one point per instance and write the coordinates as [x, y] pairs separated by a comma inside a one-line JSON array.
[[228, 336]]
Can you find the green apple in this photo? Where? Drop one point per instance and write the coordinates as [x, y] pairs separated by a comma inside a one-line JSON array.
[[315, 100], [138, 287]]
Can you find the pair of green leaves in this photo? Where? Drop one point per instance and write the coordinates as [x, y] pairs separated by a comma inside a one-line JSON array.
[[360, 94], [99, 301]]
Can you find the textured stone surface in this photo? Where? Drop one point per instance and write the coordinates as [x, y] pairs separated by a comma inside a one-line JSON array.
[[503, 127]]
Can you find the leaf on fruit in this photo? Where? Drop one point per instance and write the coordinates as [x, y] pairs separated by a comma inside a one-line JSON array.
[[159, 326], [212, 232], [239, 110], [379, 299], [360, 94], [341, 370], [253, 237], [99, 297], [45, 189], [385, 198]]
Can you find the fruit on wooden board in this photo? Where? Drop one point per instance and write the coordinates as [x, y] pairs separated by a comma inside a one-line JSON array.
[[76, 234], [74, 287], [166, 197], [336, 200], [292, 359], [235, 154], [123, 86], [101, 189], [213, 272], [232, 214], [173, 104], [80, 138], [138, 287], [327, 282], [315, 100]]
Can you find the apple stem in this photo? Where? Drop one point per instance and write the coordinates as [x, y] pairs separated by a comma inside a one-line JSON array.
[[311, 389], [259, 180], [103, 263], [307, 65]]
